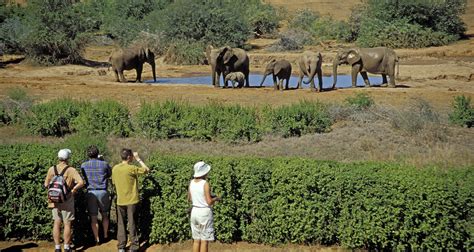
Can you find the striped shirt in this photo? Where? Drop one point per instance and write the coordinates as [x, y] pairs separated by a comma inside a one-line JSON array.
[[96, 172]]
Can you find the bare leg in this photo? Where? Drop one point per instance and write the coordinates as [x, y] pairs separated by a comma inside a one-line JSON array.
[[67, 232], [366, 78], [196, 245], [95, 227], [57, 232], [204, 246], [105, 225]]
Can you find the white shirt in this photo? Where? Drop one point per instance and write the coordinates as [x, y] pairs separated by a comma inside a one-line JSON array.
[[196, 189]]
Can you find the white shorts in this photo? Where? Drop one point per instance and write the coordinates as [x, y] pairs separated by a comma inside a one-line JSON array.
[[202, 224]]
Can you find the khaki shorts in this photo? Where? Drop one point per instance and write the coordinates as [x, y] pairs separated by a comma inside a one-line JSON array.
[[64, 211], [202, 224]]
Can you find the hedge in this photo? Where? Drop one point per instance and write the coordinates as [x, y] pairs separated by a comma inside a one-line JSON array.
[[271, 200]]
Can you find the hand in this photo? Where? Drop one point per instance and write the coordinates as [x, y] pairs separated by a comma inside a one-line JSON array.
[[73, 191]]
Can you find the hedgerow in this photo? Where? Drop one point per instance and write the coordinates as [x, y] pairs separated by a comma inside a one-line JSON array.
[[357, 205]]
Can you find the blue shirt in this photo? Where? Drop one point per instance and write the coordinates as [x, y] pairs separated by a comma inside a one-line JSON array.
[[96, 173]]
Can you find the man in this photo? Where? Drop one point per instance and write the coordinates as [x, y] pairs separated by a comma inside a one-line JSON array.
[[96, 173], [125, 178], [64, 212]]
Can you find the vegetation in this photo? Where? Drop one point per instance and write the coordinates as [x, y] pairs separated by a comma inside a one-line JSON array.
[[360, 101], [357, 205], [14, 108], [463, 112]]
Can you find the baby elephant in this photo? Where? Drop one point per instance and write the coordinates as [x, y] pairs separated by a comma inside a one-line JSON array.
[[235, 77], [280, 70]]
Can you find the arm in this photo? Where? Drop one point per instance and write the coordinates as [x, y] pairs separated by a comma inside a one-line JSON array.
[[189, 196], [47, 179], [79, 182], [139, 160], [207, 193]]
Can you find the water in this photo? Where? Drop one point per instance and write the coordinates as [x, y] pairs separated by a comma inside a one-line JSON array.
[[343, 81]]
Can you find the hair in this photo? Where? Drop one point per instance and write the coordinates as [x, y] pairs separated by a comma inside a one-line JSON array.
[[125, 154], [92, 151]]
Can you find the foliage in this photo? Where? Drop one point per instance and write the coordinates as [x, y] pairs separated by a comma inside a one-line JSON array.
[[463, 112], [400, 33], [104, 117], [326, 28], [303, 19], [375, 206], [291, 40], [53, 118], [16, 106], [12, 33], [406, 23], [298, 119], [360, 101], [183, 52], [208, 122], [57, 31], [419, 116], [263, 18]]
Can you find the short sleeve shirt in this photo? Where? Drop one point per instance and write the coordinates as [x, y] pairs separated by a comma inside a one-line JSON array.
[[96, 173], [71, 176], [125, 179]]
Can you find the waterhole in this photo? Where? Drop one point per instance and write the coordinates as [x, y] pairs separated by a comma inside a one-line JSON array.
[[343, 81]]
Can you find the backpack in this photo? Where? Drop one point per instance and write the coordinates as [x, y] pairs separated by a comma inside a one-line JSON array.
[[57, 189]]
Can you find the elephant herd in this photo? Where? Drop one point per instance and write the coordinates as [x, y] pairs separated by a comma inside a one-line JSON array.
[[233, 65]]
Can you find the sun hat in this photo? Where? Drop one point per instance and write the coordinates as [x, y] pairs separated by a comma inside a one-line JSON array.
[[64, 154], [201, 169]]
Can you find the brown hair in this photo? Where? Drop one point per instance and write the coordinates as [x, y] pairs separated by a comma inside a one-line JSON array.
[[125, 154]]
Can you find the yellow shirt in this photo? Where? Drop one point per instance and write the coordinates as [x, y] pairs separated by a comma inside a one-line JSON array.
[[125, 179]]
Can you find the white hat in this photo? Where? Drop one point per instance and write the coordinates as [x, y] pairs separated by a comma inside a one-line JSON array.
[[201, 169], [64, 154]]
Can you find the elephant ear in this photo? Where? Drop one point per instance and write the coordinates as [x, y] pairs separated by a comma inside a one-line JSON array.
[[277, 69], [353, 57]]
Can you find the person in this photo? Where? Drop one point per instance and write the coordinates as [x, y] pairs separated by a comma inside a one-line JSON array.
[[96, 172], [125, 178], [202, 219], [64, 212]]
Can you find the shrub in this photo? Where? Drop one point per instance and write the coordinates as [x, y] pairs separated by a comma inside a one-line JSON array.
[[463, 112], [53, 118], [12, 33], [263, 18], [303, 19], [291, 40], [419, 116], [183, 52], [325, 28], [16, 106], [360, 101], [104, 117], [57, 31], [298, 119]]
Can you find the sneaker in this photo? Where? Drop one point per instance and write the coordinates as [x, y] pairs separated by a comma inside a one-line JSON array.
[[121, 250], [57, 250]]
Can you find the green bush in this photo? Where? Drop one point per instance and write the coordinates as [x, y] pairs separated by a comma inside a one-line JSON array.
[[399, 34], [360, 101], [263, 18], [376, 206], [16, 106], [53, 118], [463, 112], [326, 28], [303, 19], [183, 52], [104, 117], [58, 31], [12, 33], [298, 119]]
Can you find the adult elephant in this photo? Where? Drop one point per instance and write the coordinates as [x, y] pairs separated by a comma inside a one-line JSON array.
[[378, 60], [281, 70], [225, 60], [131, 58], [310, 65]]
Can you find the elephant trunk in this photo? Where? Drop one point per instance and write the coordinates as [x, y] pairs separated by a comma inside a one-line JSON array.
[[311, 74], [213, 73], [334, 72], [263, 80]]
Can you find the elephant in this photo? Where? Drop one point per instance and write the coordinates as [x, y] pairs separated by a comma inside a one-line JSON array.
[[310, 64], [378, 60], [225, 60], [131, 58], [234, 77], [280, 69]]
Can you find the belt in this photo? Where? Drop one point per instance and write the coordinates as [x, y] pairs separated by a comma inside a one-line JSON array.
[[201, 206], [97, 189]]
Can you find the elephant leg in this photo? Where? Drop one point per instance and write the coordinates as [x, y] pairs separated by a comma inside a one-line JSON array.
[[300, 80], [287, 83], [247, 83], [275, 83], [117, 79], [281, 84], [122, 77], [366, 78], [312, 86], [139, 74], [392, 80], [384, 79], [354, 72], [223, 79], [320, 80]]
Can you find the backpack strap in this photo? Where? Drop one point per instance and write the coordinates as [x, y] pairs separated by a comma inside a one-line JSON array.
[[56, 173], [63, 171]]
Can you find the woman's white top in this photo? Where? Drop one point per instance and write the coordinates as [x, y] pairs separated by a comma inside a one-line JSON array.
[[197, 193]]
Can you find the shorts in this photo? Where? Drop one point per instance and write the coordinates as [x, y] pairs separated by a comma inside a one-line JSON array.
[[98, 199], [64, 211], [202, 224]]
